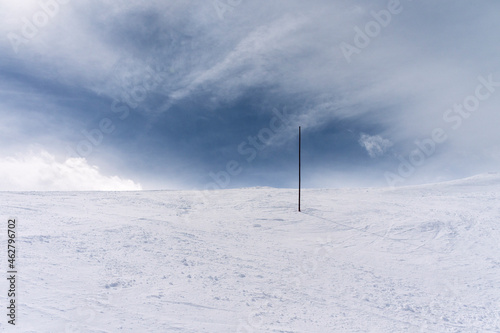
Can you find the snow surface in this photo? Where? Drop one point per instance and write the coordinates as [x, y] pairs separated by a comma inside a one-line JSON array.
[[414, 259]]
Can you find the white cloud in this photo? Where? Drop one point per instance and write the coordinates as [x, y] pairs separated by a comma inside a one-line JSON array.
[[41, 171], [375, 145]]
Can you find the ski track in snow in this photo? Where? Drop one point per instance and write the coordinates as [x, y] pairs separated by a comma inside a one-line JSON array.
[[414, 259]]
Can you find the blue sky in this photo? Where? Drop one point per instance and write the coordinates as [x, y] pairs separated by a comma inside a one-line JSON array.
[[114, 95]]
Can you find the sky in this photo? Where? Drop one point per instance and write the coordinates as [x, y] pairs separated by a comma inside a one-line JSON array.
[[181, 94]]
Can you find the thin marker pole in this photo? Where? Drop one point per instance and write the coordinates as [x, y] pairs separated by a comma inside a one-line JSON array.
[[299, 166]]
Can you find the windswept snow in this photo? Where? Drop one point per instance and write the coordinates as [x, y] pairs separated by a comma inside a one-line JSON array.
[[413, 259]]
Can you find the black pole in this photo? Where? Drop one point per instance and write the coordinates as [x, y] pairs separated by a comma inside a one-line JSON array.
[[299, 166]]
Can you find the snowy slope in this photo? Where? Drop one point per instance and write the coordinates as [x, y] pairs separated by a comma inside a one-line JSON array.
[[414, 259]]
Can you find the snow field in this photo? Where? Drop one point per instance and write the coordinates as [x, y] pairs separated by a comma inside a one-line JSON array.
[[414, 259]]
